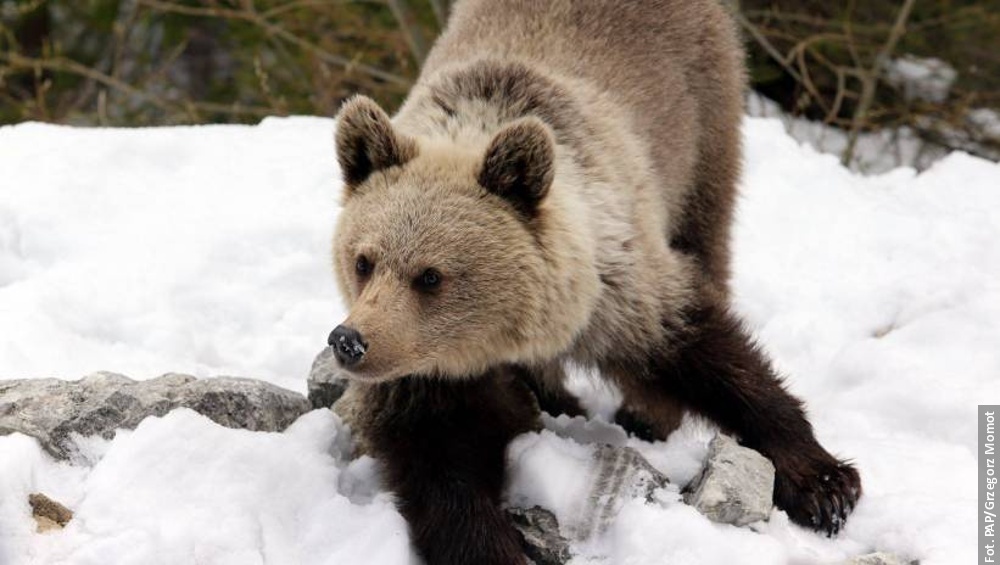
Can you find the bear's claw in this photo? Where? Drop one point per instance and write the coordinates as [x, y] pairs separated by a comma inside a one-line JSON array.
[[816, 490]]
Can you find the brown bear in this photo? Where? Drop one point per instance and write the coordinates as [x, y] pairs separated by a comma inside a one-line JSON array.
[[558, 186]]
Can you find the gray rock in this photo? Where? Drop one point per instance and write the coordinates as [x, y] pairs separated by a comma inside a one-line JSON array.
[[881, 558], [54, 411], [543, 543], [736, 485], [620, 474], [326, 386], [329, 389], [616, 475]]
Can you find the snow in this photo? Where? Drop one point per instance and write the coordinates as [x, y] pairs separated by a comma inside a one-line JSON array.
[[882, 150], [876, 152], [928, 79], [205, 250], [181, 489]]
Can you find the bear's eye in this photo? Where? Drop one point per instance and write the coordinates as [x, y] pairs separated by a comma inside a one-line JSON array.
[[363, 266], [428, 280]]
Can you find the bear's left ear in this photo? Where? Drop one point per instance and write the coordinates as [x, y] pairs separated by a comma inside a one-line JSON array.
[[367, 142], [520, 164]]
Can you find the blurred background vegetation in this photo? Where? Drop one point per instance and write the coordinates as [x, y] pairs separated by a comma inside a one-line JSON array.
[[856, 65]]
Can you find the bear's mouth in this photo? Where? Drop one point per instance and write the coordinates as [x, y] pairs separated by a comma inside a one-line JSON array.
[[364, 374]]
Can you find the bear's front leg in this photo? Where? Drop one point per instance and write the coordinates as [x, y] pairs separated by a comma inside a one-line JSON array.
[[713, 367], [443, 447]]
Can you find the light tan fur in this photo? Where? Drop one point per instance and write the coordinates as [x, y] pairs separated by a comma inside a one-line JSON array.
[[558, 186], [640, 102]]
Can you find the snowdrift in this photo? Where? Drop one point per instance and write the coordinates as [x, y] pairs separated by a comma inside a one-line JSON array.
[[205, 250]]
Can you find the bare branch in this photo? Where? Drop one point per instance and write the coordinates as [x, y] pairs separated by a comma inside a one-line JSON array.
[[440, 9], [869, 81], [762, 40], [280, 32], [408, 24], [61, 64]]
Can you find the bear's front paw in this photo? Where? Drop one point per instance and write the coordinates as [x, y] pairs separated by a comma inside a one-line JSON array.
[[815, 489]]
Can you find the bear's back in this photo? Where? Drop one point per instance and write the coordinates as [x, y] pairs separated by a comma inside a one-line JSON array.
[[671, 68]]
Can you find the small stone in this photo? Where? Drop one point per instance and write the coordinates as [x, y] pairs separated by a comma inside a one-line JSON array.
[[620, 474], [324, 395], [736, 485], [45, 524], [326, 385], [542, 542], [48, 514], [605, 479], [881, 558]]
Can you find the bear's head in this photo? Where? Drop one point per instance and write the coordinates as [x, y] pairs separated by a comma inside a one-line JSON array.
[[437, 250]]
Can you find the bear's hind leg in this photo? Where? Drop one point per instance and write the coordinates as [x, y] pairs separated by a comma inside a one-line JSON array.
[[648, 417], [548, 383], [715, 369]]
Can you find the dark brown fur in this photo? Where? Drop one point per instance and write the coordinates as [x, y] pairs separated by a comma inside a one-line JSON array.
[[443, 444], [717, 371], [519, 165], [382, 147], [546, 383]]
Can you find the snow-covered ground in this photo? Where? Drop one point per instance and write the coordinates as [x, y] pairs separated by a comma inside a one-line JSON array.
[[205, 250], [876, 152]]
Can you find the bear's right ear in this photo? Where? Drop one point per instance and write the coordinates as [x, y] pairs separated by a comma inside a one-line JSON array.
[[367, 142], [520, 164]]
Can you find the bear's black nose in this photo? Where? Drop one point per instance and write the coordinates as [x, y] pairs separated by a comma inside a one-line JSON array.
[[347, 345]]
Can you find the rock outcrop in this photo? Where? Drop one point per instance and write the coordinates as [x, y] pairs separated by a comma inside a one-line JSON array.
[[56, 411]]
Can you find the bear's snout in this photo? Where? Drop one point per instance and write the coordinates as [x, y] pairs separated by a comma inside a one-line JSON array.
[[348, 345]]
